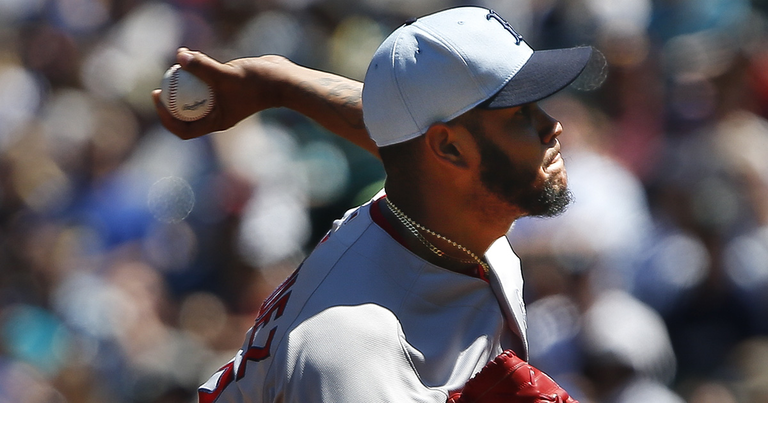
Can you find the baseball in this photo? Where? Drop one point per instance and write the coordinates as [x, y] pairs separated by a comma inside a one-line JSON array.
[[184, 95]]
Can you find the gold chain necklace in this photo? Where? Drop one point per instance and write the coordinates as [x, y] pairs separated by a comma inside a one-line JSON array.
[[414, 228]]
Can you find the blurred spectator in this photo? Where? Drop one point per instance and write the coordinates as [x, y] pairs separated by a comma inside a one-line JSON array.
[[628, 354]]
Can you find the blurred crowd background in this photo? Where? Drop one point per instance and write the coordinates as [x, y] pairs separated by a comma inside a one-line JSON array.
[[132, 263]]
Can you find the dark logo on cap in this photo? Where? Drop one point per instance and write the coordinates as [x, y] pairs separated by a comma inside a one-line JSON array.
[[497, 17]]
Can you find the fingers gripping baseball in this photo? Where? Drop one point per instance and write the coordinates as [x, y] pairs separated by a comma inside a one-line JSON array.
[[199, 64], [187, 97], [190, 127], [239, 88], [508, 378]]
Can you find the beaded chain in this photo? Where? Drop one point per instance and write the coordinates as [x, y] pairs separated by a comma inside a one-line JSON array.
[[414, 228]]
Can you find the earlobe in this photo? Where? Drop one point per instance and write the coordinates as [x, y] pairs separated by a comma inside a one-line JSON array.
[[445, 144]]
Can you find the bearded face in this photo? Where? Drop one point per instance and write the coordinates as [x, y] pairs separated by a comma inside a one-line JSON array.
[[519, 184]]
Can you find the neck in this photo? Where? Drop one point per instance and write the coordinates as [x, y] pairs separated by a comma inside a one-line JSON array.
[[466, 221]]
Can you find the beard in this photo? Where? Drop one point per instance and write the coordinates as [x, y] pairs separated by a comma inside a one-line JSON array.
[[515, 184]]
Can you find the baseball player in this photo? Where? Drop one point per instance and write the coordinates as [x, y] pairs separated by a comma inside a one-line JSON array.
[[415, 296]]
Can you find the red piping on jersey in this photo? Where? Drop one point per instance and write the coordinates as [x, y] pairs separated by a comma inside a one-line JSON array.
[[380, 220]]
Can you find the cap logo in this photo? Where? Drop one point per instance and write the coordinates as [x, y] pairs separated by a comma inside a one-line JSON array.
[[503, 22]]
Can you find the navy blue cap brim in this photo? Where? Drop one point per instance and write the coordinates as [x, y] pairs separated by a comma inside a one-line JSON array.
[[546, 73]]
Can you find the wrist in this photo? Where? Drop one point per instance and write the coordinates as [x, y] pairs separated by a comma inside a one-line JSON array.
[[265, 80]]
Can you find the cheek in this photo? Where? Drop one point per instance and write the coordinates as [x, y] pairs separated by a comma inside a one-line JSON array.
[[527, 155]]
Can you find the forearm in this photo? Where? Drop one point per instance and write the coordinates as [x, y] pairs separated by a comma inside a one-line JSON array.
[[332, 101]]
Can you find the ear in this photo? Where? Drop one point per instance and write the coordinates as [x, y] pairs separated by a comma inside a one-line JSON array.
[[449, 144]]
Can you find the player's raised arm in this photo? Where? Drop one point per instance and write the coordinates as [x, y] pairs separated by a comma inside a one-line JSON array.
[[245, 86]]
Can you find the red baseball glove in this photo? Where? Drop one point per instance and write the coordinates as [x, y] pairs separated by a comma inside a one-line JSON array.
[[508, 378]]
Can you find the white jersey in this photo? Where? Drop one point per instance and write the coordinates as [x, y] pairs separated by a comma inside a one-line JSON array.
[[364, 319]]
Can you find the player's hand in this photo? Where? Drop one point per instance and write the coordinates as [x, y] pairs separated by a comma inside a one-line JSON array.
[[241, 88], [508, 378]]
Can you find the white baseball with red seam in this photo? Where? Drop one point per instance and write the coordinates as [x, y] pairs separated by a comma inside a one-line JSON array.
[[186, 97]]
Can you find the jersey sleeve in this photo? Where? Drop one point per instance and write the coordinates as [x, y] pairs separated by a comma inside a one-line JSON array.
[[353, 354]]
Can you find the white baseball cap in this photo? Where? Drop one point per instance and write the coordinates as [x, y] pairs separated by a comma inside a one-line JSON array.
[[435, 68]]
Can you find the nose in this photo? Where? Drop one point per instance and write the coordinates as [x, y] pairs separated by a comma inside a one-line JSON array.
[[549, 128], [555, 131]]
